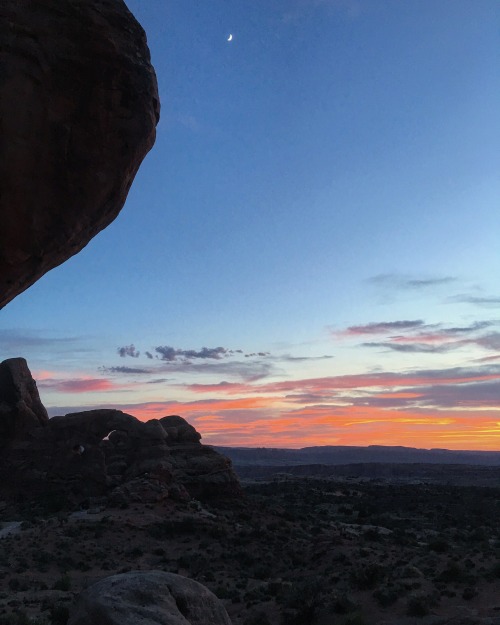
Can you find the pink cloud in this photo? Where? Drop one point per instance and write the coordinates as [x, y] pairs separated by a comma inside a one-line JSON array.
[[78, 385]]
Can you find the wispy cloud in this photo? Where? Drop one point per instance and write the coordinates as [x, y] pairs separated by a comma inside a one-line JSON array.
[[476, 395], [415, 336], [401, 281], [413, 348], [289, 358], [486, 301], [488, 341], [383, 327], [78, 385], [16, 342], [324, 386], [125, 370]]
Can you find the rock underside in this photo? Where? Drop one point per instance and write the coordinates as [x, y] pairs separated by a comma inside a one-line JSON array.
[[101, 453], [78, 111]]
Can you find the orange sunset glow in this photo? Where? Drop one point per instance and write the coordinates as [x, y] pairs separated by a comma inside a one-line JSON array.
[[454, 409]]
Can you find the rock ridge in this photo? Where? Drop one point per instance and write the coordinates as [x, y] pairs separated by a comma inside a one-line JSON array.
[[101, 453]]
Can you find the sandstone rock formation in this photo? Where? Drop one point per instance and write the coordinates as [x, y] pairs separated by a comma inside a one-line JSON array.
[[101, 453], [21, 409], [78, 110], [149, 598]]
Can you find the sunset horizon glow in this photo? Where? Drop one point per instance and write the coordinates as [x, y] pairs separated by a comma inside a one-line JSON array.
[[451, 407]]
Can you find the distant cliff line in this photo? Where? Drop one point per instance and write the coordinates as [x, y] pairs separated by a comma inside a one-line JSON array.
[[339, 455]]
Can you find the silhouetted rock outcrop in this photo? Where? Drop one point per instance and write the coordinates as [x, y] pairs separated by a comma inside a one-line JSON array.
[[21, 409], [101, 453], [149, 598], [78, 110]]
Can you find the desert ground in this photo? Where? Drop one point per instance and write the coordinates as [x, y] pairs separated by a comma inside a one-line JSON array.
[[294, 551]]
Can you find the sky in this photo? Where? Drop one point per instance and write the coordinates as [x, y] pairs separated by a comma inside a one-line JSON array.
[[310, 253]]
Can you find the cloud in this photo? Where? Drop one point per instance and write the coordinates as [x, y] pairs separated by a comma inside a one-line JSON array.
[[125, 370], [172, 354], [288, 358], [488, 301], [433, 407], [474, 327], [488, 358], [229, 388], [383, 327], [423, 348], [476, 395], [79, 385], [243, 422], [400, 281], [128, 350], [16, 342], [27, 338], [488, 341], [418, 337], [250, 370], [326, 386]]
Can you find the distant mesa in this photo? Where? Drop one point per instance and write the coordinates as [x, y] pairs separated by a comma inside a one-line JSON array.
[[105, 454], [78, 111]]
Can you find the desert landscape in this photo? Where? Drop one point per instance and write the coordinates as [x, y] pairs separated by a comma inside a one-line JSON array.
[[292, 550]]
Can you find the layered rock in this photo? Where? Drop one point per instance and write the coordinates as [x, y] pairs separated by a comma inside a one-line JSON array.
[[149, 598], [102, 453], [78, 110]]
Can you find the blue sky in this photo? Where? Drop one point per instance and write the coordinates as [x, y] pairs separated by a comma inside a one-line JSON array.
[[334, 166]]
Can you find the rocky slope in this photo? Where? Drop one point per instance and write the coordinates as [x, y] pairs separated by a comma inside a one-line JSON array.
[[103, 454], [78, 110]]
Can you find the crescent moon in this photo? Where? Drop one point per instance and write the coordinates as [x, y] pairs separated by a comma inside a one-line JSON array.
[[230, 38]]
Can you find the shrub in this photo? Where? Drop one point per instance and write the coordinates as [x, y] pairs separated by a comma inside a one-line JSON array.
[[385, 597], [257, 618], [417, 606], [59, 614], [342, 604], [439, 545], [469, 593], [452, 573], [355, 619], [367, 577], [63, 583]]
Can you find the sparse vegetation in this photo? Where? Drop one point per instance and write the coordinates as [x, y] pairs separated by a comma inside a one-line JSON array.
[[299, 552]]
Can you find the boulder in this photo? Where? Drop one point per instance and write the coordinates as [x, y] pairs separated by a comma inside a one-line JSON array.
[[78, 110], [179, 431], [149, 598]]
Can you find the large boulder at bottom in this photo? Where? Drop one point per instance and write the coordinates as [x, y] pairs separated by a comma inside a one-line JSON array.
[[148, 598]]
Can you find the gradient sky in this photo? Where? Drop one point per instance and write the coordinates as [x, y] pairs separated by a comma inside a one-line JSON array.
[[310, 253]]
